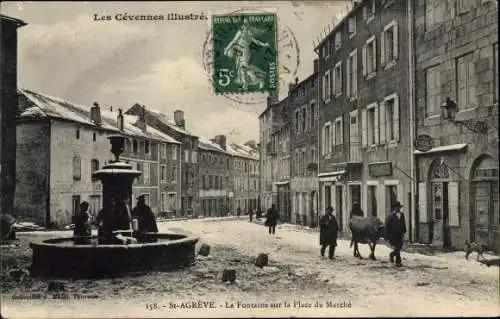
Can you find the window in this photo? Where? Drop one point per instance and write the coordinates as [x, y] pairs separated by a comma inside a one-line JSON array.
[[304, 119], [495, 68], [174, 174], [338, 130], [352, 74], [297, 121], [94, 166], [391, 119], [369, 11], [77, 168], [337, 79], [312, 114], [369, 57], [163, 173], [186, 156], [194, 158], [391, 196], [370, 125], [338, 40], [210, 182], [303, 161], [146, 173], [372, 200], [77, 134], [204, 181], [95, 203], [351, 28], [94, 137], [326, 86], [135, 146], [163, 150], [354, 151], [433, 91], [139, 168], [327, 144], [463, 6], [323, 51], [437, 200], [389, 44], [174, 152], [434, 12], [466, 81]]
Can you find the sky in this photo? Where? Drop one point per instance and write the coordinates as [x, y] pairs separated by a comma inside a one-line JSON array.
[[64, 53]]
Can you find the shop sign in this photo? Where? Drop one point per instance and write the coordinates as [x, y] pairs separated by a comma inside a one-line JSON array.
[[380, 169], [424, 143]]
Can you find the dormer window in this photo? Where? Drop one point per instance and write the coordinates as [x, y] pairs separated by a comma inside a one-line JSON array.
[[351, 27]]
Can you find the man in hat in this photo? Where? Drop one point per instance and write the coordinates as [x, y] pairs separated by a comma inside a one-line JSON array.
[[328, 232], [395, 227], [145, 216]]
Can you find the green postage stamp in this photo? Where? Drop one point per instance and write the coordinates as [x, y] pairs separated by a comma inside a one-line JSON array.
[[245, 53]]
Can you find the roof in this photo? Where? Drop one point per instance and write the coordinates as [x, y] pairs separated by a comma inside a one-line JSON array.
[[243, 151], [206, 144], [18, 22], [346, 16], [36, 105]]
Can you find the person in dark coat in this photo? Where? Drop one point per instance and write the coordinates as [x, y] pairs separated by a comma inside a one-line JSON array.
[[238, 211], [82, 221], [272, 218], [250, 214], [146, 217], [356, 210], [258, 215], [395, 227], [114, 216], [328, 232]]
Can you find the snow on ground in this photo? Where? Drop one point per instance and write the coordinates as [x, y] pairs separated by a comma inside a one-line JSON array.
[[442, 285]]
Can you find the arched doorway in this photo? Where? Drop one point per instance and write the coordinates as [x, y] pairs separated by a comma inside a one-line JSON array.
[[484, 202], [439, 179]]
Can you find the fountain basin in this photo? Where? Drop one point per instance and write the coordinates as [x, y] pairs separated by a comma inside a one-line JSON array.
[[83, 257]]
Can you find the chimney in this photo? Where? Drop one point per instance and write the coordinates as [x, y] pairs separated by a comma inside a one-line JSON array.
[[179, 119], [272, 98], [315, 65], [120, 120], [95, 114], [221, 140], [142, 119], [251, 144]]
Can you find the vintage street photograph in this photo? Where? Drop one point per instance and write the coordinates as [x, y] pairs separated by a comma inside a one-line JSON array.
[[249, 159]]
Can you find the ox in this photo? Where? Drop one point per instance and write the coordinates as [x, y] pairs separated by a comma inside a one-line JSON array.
[[366, 230]]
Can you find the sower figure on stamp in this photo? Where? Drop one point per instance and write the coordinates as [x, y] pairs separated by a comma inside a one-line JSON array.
[[240, 48], [272, 219], [328, 232], [395, 227]]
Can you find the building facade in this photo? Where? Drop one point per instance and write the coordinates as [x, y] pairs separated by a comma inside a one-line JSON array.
[[60, 146], [365, 112], [215, 184], [190, 199], [456, 86], [304, 149], [8, 112]]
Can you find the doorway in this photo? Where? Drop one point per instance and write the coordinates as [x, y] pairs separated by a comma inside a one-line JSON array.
[[440, 234], [328, 196]]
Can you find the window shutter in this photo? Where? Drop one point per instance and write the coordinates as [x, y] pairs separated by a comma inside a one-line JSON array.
[[376, 125], [364, 136], [341, 87], [375, 54], [348, 91], [364, 60], [322, 137], [382, 49], [382, 119], [354, 88], [334, 125], [323, 87], [342, 130], [396, 118], [453, 204], [395, 41], [422, 202]]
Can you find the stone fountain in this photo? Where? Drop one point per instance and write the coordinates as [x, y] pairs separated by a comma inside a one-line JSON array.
[[93, 257]]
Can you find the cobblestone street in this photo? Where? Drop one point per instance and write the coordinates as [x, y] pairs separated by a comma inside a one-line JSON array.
[[297, 278]]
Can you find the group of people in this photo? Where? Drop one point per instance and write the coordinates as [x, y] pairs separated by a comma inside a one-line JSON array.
[[115, 216], [395, 229]]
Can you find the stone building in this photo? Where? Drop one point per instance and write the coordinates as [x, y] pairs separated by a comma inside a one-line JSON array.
[[215, 184], [304, 149], [280, 152], [60, 145], [190, 199], [456, 93], [267, 160], [8, 112], [244, 171], [365, 149]]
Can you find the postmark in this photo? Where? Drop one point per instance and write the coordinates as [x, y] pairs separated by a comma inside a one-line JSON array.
[[287, 64], [244, 52]]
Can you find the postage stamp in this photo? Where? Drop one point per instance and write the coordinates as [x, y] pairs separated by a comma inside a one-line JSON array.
[[245, 53]]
